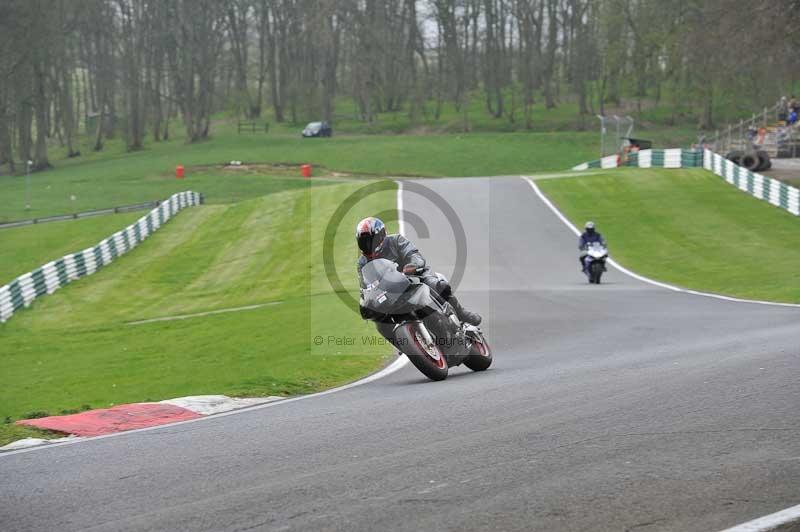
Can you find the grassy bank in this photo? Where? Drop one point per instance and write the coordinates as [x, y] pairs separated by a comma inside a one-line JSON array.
[[23, 249], [388, 146], [689, 228], [78, 348], [116, 177]]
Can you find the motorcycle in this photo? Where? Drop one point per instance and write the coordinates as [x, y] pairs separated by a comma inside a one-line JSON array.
[[594, 261], [419, 322]]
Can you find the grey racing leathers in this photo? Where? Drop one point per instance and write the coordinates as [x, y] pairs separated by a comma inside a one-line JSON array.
[[399, 249]]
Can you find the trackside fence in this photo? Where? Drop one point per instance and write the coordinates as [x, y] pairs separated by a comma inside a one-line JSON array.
[[23, 290], [80, 215], [764, 188]]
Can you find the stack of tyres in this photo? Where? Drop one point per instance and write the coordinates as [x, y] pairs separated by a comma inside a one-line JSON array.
[[755, 161]]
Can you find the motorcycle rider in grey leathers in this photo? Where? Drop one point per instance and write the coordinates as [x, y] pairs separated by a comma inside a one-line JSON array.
[[374, 243]]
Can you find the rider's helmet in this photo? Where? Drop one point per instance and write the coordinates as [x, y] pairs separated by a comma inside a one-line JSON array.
[[370, 233], [589, 227]]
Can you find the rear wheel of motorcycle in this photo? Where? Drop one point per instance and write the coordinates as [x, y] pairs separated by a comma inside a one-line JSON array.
[[429, 359], [480, 355]]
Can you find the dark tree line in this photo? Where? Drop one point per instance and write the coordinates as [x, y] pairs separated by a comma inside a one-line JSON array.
[[131, 67]]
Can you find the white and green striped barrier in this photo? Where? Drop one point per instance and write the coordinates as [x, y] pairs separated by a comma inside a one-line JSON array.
[[776, 192], [47, 279], [672, 158], [765, 188]]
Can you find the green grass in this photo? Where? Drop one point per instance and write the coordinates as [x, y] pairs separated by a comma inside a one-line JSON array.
[[117, 177], [389, 146], [23, 249], [689, 228], [564, 117], [77, 347], [10, 432], [121, 179]]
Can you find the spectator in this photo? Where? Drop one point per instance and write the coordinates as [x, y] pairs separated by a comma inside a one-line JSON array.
[[783, 109], [762, 135], [793, 105], [792, 120]]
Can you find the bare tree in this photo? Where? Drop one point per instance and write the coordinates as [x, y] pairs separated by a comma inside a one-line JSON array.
[[193, 56], [131, 65]]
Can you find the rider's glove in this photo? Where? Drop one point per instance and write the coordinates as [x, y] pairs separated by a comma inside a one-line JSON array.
[[410, 269]]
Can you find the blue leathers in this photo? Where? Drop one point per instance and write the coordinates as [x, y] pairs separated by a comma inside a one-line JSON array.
[[588, 237]]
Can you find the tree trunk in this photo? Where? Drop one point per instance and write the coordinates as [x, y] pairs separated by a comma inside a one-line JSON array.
[[40, 160]]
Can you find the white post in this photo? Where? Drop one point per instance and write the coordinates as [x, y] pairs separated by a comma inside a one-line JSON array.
[[27, 186], [602, 135]]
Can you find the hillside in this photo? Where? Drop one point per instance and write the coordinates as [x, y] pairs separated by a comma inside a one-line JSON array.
[[689, 228], [83, 345]]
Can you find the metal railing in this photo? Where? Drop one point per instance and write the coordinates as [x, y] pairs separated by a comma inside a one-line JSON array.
[[84, 214], [776, 139]]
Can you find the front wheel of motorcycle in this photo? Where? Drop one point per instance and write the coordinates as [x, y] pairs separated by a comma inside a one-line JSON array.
[[425, 355], [596, 271], [480, 354]]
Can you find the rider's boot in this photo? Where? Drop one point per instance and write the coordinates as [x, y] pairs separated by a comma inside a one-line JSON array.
[[462, 313]]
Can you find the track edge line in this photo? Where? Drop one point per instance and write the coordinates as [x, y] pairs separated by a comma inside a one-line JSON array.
[[642, 278], [769, 522]]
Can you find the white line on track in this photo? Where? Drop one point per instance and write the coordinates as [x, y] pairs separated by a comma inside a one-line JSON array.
[[762, 524], [398, 364], [571, 173], [646, 279], [207, 313], [768, 522], [401, 221]]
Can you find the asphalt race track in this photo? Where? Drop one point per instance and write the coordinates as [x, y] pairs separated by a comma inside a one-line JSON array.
[[623, 406]]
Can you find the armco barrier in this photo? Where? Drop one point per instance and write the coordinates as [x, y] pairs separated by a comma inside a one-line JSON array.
[[47, 279], [765, 188], [79, 215]]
